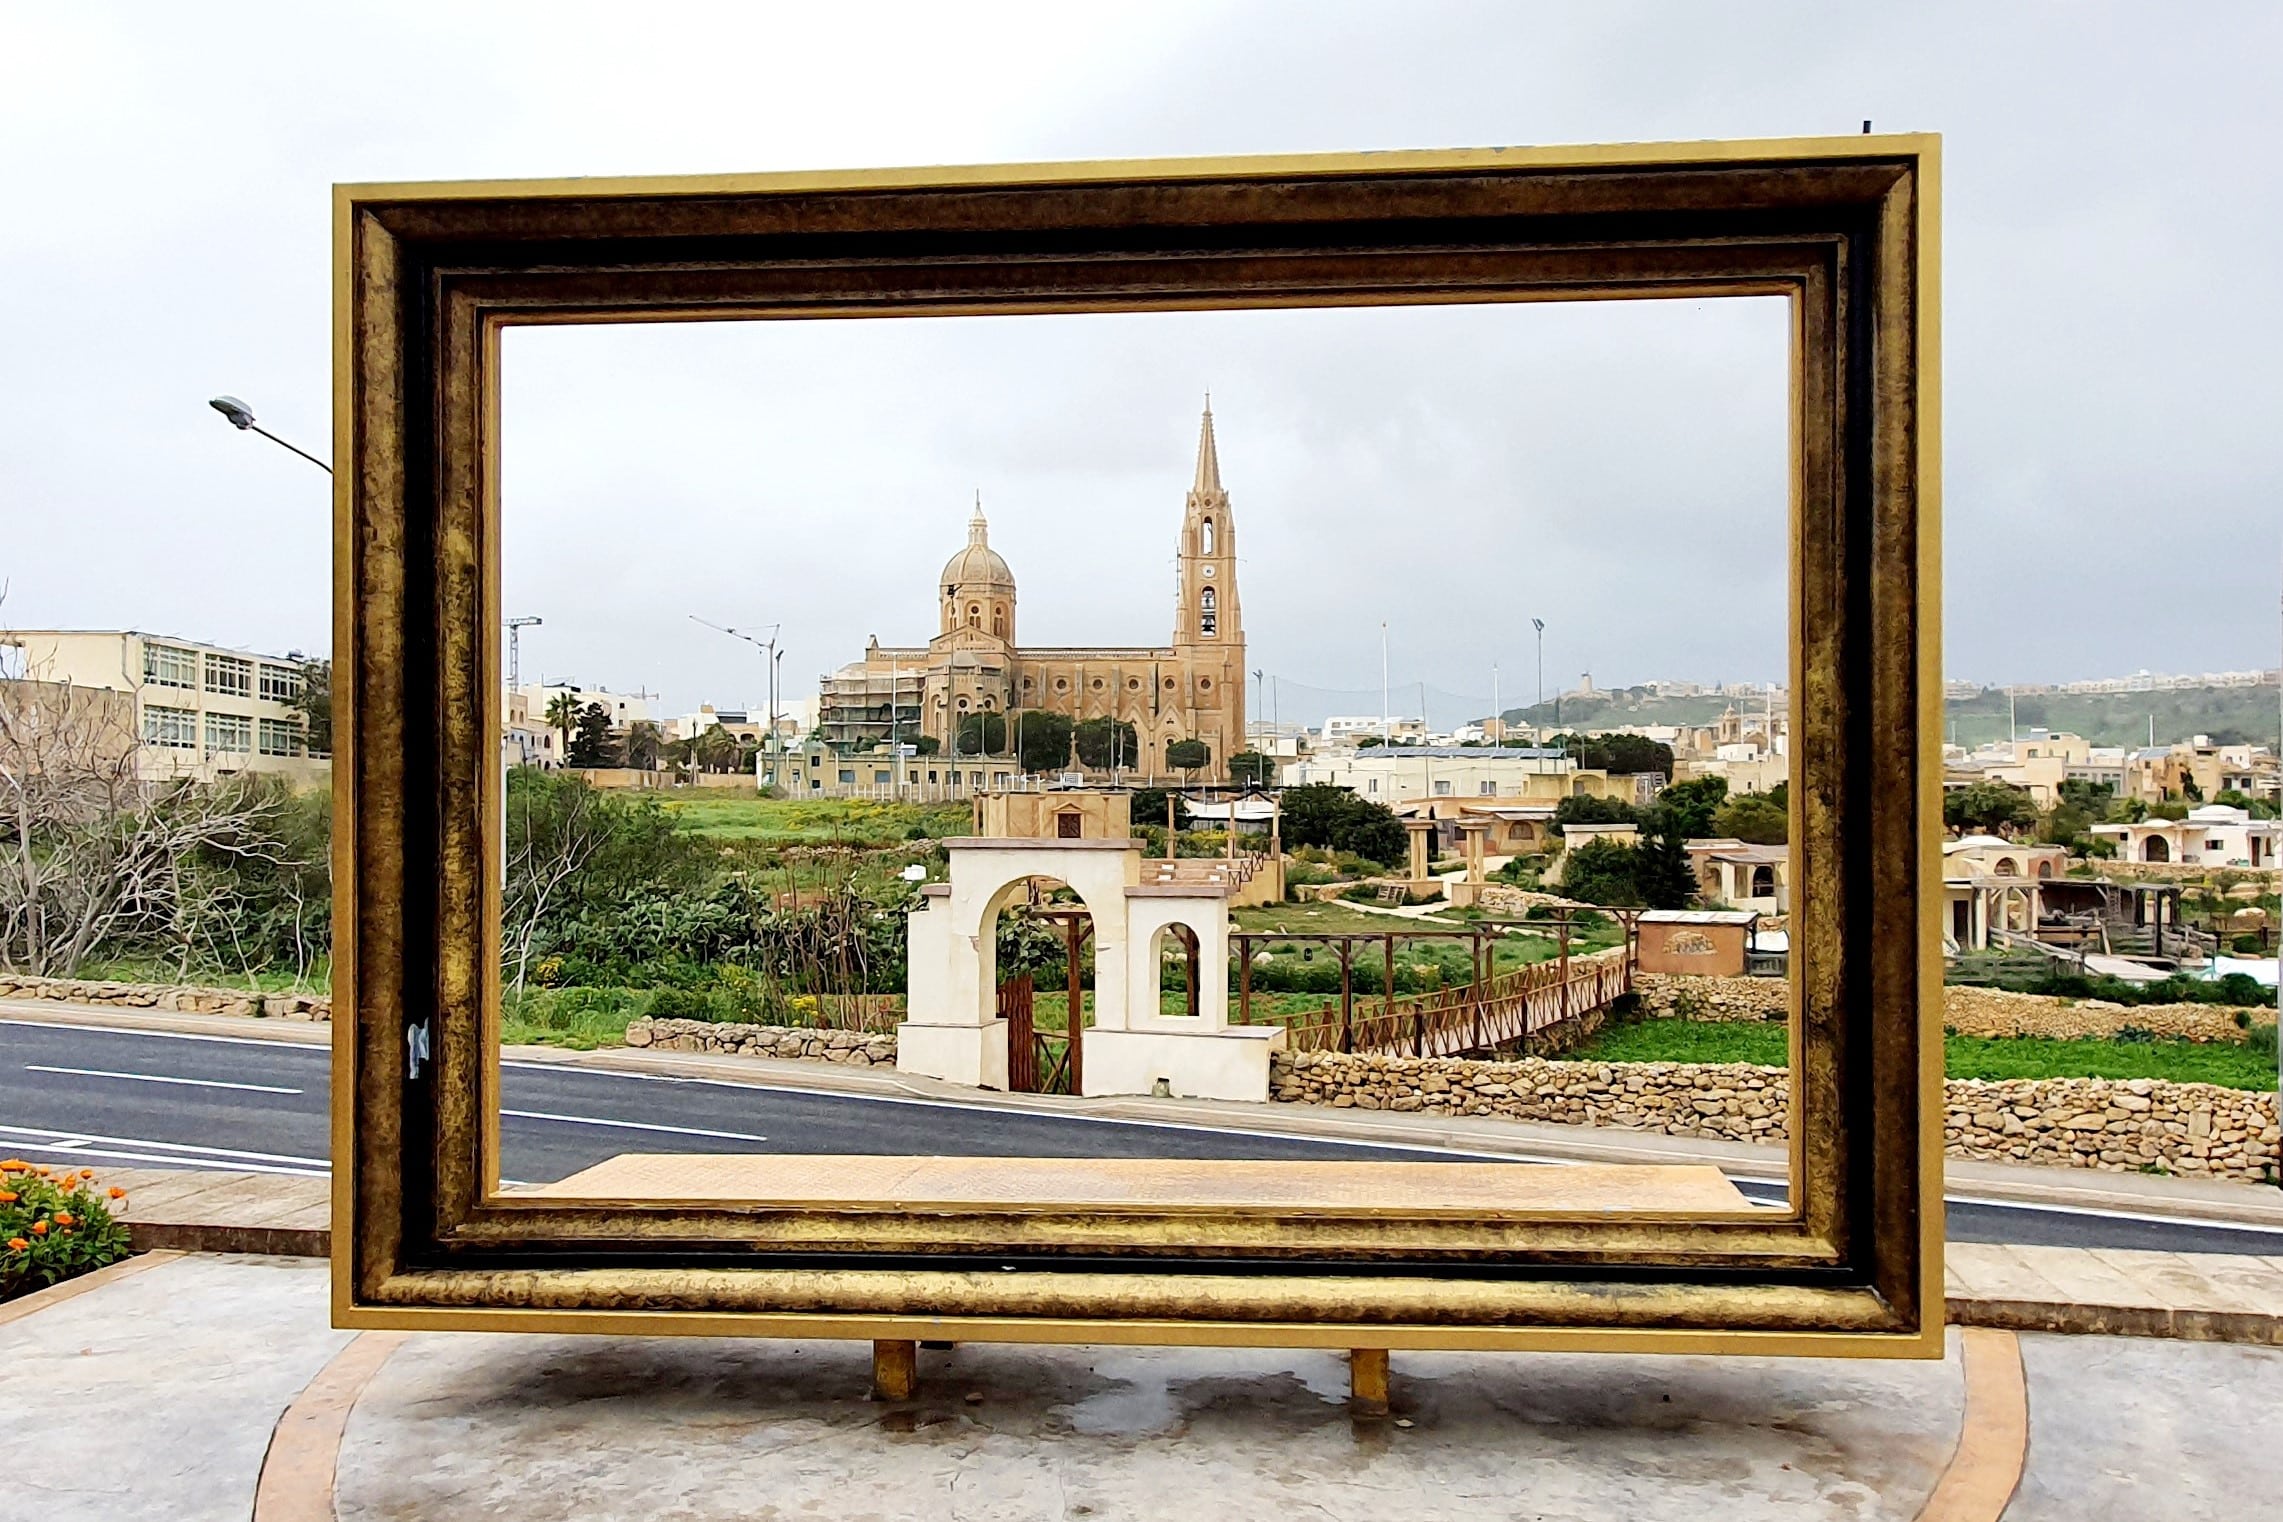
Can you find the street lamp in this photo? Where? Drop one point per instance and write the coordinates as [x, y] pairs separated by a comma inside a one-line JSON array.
[[1539, 624], [241, 417], [770, 655]]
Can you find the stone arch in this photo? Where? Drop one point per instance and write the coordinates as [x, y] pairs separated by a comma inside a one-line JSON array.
[[2155, 848], [1205, 539], [2045, 867], [1763, 882], [2006, 866]]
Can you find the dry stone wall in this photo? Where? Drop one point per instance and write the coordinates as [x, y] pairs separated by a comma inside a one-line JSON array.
[[187, 999], [1968, 1011], [2198, 1129], [806, 1043]]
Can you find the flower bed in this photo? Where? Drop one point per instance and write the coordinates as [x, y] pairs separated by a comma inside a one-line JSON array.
[[54, 1226]]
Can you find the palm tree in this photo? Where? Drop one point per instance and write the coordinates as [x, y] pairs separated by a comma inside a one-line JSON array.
[[563, 713]]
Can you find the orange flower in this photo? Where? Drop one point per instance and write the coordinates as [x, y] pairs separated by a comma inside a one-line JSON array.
[[39, 1228], [63, 1218], [117, 1193], [9, 1196], [13, 1165], [18, 1244]]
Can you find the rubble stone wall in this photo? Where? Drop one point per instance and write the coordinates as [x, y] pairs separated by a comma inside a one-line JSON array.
[[188, 999], [1967, 1011], [2196, 1129], [807, 1043]]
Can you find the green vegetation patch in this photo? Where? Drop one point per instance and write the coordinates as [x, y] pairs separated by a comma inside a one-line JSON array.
[[735, 815], [2250, 1065]]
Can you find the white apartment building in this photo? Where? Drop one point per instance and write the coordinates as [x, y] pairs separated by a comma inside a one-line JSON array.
[[200, 710], [1394, 774], [1339, 729]]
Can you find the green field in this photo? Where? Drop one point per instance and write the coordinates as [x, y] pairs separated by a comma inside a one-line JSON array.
[[2247, 1065], [728, 814]]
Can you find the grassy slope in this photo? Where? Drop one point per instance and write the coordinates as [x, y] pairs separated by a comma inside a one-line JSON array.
[[2116, 718], [2225, 1063]]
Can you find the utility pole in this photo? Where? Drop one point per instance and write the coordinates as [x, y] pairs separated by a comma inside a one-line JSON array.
[[1494, 711], [515, 628]]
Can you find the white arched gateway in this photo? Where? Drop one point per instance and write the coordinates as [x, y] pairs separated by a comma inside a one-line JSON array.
[[954, 1032]]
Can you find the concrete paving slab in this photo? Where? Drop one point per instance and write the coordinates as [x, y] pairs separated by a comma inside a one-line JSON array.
[[2125, 1430], [701, 1429], [155, 1394]]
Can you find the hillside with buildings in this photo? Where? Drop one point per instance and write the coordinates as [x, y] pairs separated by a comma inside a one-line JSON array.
[[2229, 708]]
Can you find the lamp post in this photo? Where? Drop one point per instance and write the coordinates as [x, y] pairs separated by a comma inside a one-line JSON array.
[[1384, 704], [1539, 624], [769, 658], [241, 418]]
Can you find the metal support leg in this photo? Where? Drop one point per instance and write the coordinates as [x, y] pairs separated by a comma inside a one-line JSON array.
[[895, 1369], [1367, 1381]]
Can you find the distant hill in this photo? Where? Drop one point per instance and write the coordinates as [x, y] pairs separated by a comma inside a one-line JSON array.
[[2230, 715], [1622, 706]]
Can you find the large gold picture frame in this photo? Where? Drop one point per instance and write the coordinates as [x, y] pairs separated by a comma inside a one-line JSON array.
[[427, 277]]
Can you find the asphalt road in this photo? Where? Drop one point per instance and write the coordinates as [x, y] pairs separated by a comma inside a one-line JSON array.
[[157, 1099]]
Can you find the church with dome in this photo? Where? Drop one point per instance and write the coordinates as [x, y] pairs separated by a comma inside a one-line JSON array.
[[1191, 688]]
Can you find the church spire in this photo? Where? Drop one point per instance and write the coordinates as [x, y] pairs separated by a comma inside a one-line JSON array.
[[978, 532], [1208, 482]]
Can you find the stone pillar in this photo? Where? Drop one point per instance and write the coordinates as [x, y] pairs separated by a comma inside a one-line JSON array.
[[1421, 830], [1473, 833]]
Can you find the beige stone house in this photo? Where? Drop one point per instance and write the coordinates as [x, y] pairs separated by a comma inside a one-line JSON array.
[[1749, 878]]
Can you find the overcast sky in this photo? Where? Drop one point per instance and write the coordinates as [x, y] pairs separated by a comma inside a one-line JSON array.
[[2114, 462]]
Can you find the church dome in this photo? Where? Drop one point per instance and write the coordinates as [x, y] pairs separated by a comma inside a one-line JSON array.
[[977, 567]]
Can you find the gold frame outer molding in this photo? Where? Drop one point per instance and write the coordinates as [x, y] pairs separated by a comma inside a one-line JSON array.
[[427, 276]]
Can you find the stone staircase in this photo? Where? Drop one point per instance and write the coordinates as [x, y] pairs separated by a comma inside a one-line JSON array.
[[1236, 876]]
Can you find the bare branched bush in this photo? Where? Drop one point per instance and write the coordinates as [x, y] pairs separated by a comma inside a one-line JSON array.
[[96, 858]]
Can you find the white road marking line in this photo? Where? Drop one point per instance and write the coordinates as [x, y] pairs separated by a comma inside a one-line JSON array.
[[130, 1030], [55, 1137], [196, 1083], [633, 1125], [172, 1160]]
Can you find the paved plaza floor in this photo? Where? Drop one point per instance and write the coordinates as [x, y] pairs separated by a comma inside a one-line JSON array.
[[157, 1393]]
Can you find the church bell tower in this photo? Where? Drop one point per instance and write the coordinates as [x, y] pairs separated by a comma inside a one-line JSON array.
[[1208, 622], [1205, 586]]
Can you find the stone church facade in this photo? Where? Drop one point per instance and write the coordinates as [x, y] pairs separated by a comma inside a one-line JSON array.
[[1192, 688]]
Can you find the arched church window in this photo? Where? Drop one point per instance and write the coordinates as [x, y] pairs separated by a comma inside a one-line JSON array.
[[974, 615], [1210, 619], [1205, 537], [999, 618]]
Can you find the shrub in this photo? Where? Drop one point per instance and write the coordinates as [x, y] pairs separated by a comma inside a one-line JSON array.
[[53, 1226]]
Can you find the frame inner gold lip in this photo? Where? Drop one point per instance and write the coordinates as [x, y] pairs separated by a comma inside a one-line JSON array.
[[421, 544]]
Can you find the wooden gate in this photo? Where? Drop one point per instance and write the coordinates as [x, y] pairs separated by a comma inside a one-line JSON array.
[[1022, 1046]]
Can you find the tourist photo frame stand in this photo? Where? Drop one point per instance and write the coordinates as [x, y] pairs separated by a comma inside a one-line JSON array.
[[428, 277]]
